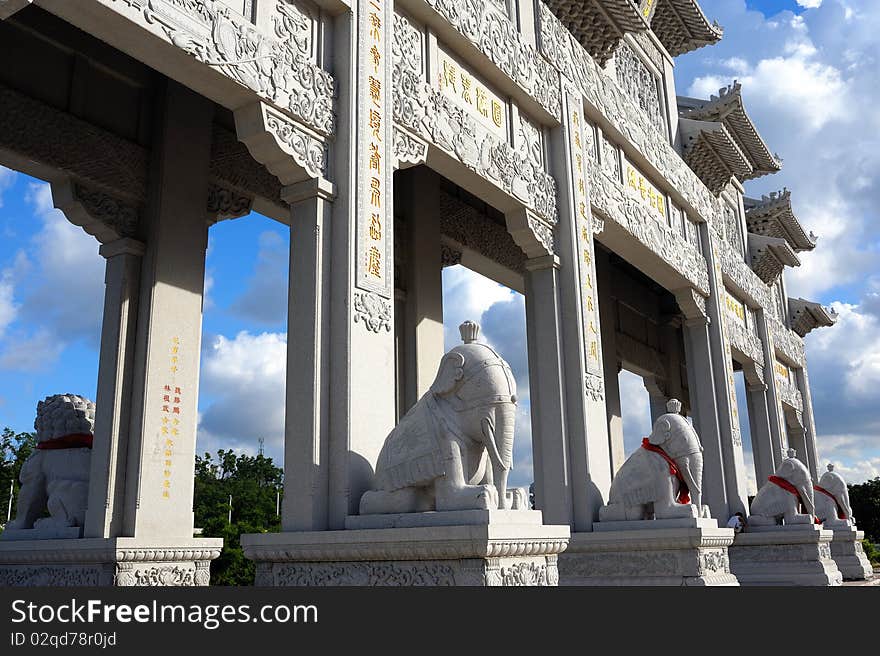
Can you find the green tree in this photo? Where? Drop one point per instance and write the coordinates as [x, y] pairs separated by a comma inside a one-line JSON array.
[[865, 501], [253, 482], [14, 450]]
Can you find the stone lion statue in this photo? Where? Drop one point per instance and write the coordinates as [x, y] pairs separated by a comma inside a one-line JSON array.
[[832, 500], [56, 475], [780, 499], [664, 478], [454, 449]]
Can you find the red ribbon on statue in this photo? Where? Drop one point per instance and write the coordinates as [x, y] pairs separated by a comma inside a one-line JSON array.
[[73, 441], [791, 489], [683, 491], [840, 513]]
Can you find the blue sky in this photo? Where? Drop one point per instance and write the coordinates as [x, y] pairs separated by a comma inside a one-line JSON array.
[[809, 71]]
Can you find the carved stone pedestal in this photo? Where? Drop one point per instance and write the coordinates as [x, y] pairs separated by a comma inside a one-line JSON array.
[[848, 555], [676, 552], [798, 554], [466, 548], [107, 562]]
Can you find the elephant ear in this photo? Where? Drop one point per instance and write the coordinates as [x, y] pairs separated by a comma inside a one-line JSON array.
[[662, 432], [450, 373]]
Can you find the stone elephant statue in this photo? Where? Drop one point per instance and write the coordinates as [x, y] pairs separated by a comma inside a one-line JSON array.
[[832, 500], [56, 475], [454, 449], [780, 499], [663, 478]]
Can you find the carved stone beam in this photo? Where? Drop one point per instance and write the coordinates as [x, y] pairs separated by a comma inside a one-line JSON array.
[[409, 151], [286, 148], [531, 234], [98, 213], [692, 303], [225, 203], [9, 7]]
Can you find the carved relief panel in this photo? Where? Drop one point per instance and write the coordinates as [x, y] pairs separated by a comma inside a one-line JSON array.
[[640, 84]]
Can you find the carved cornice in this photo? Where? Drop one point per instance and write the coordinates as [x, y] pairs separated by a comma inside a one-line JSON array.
[[770, 255], [287, 150], [493, 34], [682, 26], [599, 25], [606, 99], [609, 197], [790, 395], [276, 66], [427, 112], [713, 154], [807, 315], [772, 216]]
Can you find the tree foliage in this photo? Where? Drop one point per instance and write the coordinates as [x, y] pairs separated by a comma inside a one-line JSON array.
[[14, 450], [253, 482], [865, 501]]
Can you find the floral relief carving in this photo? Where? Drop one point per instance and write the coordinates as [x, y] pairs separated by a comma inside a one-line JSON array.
[[364, 574], [786, 341], [430, 114], [373, 311], [224, 203], [117, 215], [639, 83], [744, 341], [308, 151], [277, 67], [408, 149], [595, 387], [493, 33], [609, 197]]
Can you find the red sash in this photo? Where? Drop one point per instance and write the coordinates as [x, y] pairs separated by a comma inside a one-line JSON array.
[[683, 491], [840, 513], [791, 489], [74, 441]]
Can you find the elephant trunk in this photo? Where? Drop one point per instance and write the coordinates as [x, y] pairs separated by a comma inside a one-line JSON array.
[[497, 432], [806, 494]]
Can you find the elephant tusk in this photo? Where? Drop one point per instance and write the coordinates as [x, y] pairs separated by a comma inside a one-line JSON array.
[[488, 431]]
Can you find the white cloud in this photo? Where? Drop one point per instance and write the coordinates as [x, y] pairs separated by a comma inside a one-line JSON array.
[[243, 379], [810, 4], [7, 178], [57, 289]]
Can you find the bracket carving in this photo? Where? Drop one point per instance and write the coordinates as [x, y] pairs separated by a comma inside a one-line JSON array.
[[98, 213]]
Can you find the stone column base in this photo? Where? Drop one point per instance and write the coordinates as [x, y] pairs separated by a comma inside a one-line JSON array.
[[689, 552], [108, 562], [798, 554], [468, 548], [849, 556]]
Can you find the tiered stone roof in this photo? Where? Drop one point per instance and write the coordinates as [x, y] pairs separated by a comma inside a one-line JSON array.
[[682, 26], [772, 216], [599, 24], [727, 109], [770, 255], [712, 153], [807, 315]]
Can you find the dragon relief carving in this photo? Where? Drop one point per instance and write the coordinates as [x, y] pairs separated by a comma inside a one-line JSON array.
[[277, 67], [428, 113]]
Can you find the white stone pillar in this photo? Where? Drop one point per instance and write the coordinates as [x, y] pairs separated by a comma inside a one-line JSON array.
[[803, 384], [722, 370], [759, 429], [546, 388], [161, 458], [423, 323], [306, 421], [657, 396], [610, 363], [701, 386], [113, 402], [777, 427]]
